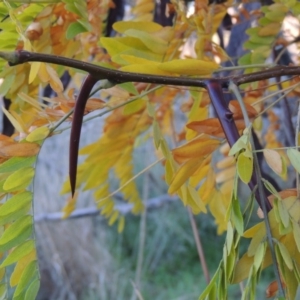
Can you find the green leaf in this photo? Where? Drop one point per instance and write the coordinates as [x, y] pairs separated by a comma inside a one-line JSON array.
[[129, 87], [32, 290], [19, 230], [285, 255], [211, 285], [296, 234], [283, 213], [229, 237], [15, 203], [16, 163], [28, 274], [237, 216], [38, 134], [271, 188], [7, 83], [259, 255], [3, 290], [156, 134], [18, 252], [19, 179], [294, 157], [239, 145], [74, 29], [244, 167], [134, 107], [150, 109]]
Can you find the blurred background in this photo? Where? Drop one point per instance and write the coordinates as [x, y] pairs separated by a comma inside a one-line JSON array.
[[155, 257]]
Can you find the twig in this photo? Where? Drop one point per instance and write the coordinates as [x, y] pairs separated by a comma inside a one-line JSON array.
[[199, 246], [142, 238], [296, 145]]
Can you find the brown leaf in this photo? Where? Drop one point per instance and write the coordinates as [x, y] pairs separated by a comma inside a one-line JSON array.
[[272, 289], [234, 106]]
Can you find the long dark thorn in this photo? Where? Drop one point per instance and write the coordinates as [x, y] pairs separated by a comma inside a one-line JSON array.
[[83, 96]]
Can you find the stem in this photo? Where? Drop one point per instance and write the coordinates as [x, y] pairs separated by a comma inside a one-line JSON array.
[[199, 246], [227, 122], [142, 237], [83, 96], [260, 189], [296, 145]]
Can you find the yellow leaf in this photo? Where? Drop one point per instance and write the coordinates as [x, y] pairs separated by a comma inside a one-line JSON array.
[[194, 201], [34, 69], [113, 217], [20, 266], [149, 27], [199, 174], [199, 147], [143, 8], [13, 121], [120, 45], [38, 134], [145, 69], [256, 240], [189, 66], [54, 80], [253, 230], [70, 206], [32, 101], [137, 60], [152, 42], [244, 167], [43, 73], [19, 179], [183, 174], [274, 160], [244, 265]]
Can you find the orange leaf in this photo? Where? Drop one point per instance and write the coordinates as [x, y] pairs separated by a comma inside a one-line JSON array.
[[212, 127], [272, 289], [197, 148], [9, 149]]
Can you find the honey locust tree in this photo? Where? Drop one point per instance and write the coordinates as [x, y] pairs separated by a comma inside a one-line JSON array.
[[135, 71]]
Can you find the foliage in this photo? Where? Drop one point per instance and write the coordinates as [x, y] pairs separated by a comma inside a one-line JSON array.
[[206, 159]]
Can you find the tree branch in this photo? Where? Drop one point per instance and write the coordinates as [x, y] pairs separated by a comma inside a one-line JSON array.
[[21, 56]]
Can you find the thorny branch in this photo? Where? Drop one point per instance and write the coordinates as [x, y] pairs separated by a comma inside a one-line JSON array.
[[214, 86]]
